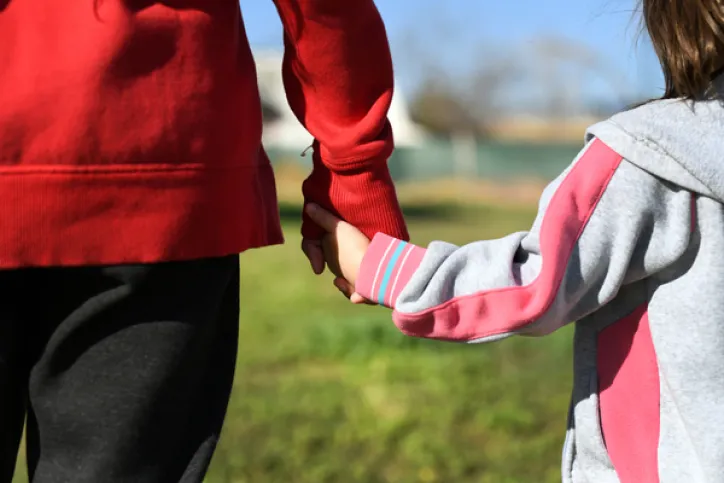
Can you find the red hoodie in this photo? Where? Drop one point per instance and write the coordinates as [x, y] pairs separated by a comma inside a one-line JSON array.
[[130, 130]]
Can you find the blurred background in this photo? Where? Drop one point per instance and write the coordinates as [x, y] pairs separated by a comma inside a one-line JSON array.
[[495, 92], [492, 102]]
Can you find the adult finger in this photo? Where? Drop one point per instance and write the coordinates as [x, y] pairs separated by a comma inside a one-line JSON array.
[[313, 250], [344, 286], [322, 217]]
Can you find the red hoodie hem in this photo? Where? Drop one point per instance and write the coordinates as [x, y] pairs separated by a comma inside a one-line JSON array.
[[105, 215]]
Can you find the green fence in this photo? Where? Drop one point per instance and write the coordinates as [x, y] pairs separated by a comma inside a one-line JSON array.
[[491, 160]]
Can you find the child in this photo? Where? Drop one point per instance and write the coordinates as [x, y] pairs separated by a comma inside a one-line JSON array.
[[131, 175], [628, 242]]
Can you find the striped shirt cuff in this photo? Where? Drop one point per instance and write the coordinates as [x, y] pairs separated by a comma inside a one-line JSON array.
[[386, 269]]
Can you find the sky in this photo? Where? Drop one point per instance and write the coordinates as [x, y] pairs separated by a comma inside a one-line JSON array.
[[456, 36]]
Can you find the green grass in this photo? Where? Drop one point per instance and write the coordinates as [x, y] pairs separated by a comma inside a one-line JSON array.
[[330, 392]]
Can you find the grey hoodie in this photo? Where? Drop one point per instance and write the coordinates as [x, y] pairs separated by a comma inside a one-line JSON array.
[[628, 243]]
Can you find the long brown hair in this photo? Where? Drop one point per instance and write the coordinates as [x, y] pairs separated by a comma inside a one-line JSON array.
[[688, 37]]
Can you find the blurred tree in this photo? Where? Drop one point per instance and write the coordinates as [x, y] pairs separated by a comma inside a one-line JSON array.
[[465, 106], [442, 111], [489, 83]]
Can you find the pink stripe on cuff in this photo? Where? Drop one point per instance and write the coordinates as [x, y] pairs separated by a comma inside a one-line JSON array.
[[405, 272], [371, 269], [377, 275], [396, 280], [384, 259]]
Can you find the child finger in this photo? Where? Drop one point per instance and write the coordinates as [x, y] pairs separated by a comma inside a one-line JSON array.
[[356, 298]]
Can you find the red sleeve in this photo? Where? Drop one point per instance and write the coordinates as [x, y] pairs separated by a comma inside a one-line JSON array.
[[338, 78]]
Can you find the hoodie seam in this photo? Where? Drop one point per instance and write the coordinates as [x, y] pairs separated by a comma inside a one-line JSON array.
[[658, 149]]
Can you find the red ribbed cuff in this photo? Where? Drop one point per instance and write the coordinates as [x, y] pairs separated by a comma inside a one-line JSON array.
[[365, 198], [387, 267]]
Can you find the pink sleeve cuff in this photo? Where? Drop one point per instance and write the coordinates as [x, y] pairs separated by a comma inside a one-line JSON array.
[[386, 269]]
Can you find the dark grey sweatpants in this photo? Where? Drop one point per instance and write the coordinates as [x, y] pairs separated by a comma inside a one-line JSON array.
[[124, 372]]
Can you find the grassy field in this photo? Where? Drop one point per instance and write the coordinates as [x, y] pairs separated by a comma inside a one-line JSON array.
[[329, 392]]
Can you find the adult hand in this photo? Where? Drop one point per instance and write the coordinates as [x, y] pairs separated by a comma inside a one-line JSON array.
[[343, 249]]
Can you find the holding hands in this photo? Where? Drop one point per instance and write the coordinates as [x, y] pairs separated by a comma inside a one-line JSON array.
[[344, 247]]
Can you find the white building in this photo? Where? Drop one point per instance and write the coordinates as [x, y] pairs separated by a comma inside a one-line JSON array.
[[285, 132]]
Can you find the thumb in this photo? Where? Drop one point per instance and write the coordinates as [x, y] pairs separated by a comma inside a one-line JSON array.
[[322, 217]]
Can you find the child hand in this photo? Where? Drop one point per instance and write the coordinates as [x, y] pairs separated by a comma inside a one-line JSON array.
[[344, 248]]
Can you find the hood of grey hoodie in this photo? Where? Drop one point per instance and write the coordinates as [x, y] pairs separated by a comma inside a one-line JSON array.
[[678, 141]]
